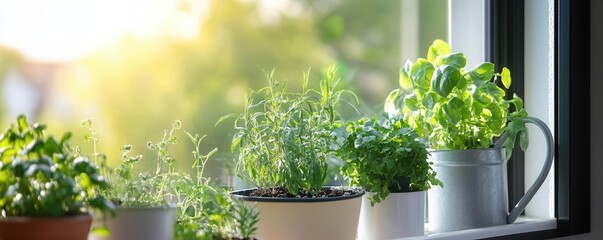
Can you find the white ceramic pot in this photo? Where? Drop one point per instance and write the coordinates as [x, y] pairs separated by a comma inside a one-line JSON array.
[[317, 218], [139, 224], [398, 215]]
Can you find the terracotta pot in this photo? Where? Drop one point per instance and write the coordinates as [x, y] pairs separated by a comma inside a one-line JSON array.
[[35, 228], [333, 218]]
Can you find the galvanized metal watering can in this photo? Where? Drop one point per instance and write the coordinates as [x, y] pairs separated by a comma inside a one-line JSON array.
[[475, 186]]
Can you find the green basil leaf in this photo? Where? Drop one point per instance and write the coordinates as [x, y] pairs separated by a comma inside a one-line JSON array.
[[456, 103], [481, 74], [437, 49], [462, 84], [411, 102], [391, 105], [421, 73], [477, 108], [517, 102], [456, 60], [429, 100], [494, 90], [405, 81], [506, 77], [524, 140], [453, 110], [445, 79]]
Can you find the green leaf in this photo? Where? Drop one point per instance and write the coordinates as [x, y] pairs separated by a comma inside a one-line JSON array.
[[429, 100], [226, 117], [236, 140], [421, 73], [411, 102], [100, 231], [405, 81], [65, 137], [100, 202], [494, 90], [444, 80], [506, 77], [22, 123], [456, 103], [477, 108], [517, 102], [456, 60], [83, 165], [524, 140], [453, 110], [390, 105], [38, 168], [462, 84], [437, 49], [482, 73]]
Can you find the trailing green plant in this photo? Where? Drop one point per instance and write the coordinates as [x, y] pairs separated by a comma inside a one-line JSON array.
[[44, 177], [206, 211], [454, 107], [381, 152], [283, 137]]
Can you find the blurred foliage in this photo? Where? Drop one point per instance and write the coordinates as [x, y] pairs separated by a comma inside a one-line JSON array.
[[142, 83], [10, 60]]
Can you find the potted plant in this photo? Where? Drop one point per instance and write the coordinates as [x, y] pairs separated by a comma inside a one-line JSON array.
[[182, 207], [384, 156], [460, 112], [283, 141], [45, 185], [144, 206], [209, 212]]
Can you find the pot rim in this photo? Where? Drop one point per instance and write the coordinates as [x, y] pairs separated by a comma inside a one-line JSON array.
[[169, 207], [239, 195], [77, 217], [431, 150], [468, 157]]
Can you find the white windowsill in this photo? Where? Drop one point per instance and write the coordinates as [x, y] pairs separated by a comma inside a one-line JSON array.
[[522, 225]]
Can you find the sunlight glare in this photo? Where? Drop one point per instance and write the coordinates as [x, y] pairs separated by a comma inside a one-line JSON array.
[[64, 30]]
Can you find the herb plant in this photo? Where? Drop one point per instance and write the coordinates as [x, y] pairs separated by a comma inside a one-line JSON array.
[[283, 137], [208, 212], [381, 152], [142, 190], [204, 211], [44, 177], [454, 107]]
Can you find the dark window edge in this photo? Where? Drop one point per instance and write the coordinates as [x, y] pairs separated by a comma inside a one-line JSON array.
[[572, 168], [572, 106], [505, 48]]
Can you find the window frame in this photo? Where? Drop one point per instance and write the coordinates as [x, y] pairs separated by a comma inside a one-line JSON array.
[[505, 46]]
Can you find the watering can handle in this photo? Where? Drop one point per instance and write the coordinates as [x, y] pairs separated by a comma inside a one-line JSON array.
[[523, 202]]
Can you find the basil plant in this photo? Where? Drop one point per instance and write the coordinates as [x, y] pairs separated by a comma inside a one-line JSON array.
[[453, 106]]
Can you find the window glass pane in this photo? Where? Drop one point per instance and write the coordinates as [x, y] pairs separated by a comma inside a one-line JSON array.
[[135, 66], [539, 99]]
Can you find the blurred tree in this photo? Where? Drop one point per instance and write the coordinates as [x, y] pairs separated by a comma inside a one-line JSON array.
[[135, 89], [10, 60]]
